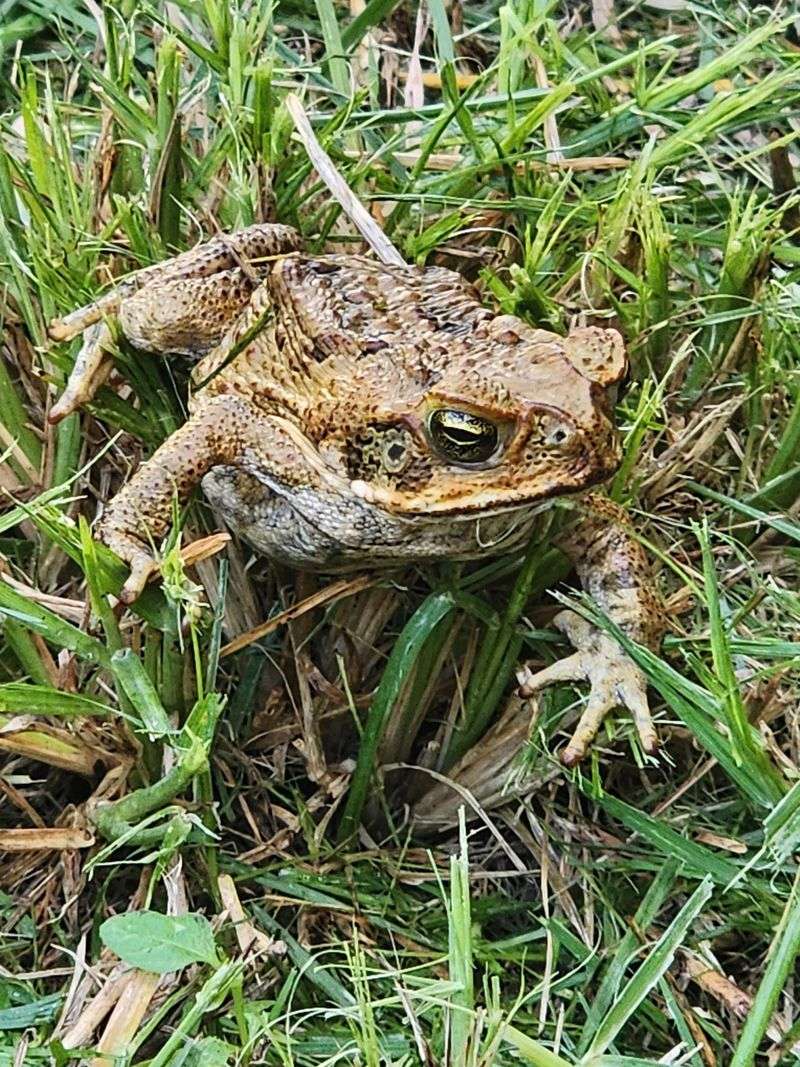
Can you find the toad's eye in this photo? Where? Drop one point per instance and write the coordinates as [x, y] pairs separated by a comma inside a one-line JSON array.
[[461, 436]]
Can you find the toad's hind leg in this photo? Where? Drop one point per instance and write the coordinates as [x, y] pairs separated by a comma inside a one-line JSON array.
[[187, 316], [183, 305], [246, 249]]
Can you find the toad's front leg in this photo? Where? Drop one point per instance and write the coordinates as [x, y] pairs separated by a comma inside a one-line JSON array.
[[614, 571], [225, 429]]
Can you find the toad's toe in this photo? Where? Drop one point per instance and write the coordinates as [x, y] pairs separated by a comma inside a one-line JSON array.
[[614, 681], [140, 561]]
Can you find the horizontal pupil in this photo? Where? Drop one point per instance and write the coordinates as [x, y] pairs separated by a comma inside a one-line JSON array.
[[464, 436]]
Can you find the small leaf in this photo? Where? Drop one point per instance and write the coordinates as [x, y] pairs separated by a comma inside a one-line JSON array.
[[160, 943], [209, 1052]]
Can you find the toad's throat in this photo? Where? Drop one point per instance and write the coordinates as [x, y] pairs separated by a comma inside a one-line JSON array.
[[320, 528]]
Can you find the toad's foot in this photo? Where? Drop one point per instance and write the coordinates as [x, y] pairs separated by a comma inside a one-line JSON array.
[[92, 367], [133, 552], [614, 679]]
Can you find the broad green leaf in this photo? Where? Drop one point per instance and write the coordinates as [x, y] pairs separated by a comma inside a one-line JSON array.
[[160, 943], [209, 1052]]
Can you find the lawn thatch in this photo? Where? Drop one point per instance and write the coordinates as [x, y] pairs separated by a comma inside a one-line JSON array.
[[630, 166]]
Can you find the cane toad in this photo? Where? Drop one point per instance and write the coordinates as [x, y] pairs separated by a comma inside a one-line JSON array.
[[349, 414]]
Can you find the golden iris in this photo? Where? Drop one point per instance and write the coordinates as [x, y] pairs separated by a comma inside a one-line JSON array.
[[462, 436]]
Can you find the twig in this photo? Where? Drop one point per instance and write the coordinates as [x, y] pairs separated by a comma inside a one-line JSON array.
[[346, 587], [59, 838], [340, 190], [126, 1017]]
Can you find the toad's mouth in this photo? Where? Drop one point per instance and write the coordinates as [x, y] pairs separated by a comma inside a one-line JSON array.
[[467, 507], [487, 500], [367, 530], [310, 526], [465, 504]]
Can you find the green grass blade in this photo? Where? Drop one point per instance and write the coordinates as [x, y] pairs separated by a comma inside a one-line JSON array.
[[404, 653], [50, 626], [787, 527], [22, 698], [334, 48], [743, 744], [374, 13], [531, 1051], [728, 60], [783, 953], [649, 973], [698, 859], [460, 957], [628, 949], [308, 965]]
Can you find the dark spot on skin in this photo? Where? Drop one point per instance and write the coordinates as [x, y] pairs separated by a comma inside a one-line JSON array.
[[374, 344], [356, 296]]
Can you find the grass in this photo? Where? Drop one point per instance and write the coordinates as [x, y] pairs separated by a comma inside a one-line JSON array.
[[633, 911]]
